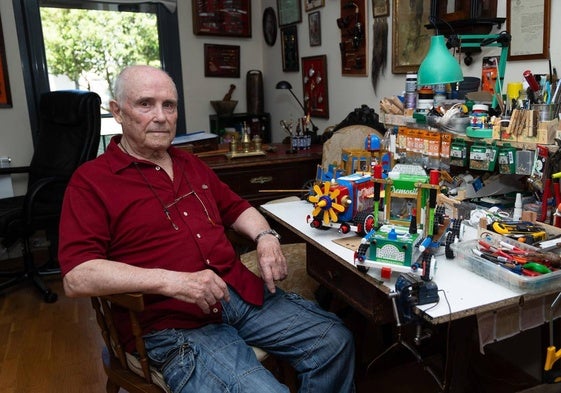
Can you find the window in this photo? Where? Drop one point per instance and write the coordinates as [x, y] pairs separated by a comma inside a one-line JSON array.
[[41, 62]]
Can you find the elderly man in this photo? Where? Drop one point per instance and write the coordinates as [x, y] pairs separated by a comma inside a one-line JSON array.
[[146, 217]]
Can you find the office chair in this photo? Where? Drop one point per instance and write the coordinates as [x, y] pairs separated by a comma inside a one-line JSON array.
[[69, 132]]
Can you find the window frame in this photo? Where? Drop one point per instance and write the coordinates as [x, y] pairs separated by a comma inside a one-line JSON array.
[[34, 61]]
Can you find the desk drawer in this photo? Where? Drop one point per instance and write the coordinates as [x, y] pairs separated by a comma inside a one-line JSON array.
[[247, 182], [355, 288]]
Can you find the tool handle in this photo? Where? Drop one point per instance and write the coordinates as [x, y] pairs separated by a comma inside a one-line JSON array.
[[531, 79]]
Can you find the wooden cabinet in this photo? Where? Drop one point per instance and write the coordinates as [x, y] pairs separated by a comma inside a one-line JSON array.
[[278, 170]]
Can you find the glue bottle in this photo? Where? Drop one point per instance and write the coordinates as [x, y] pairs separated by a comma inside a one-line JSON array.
[[517, 214]]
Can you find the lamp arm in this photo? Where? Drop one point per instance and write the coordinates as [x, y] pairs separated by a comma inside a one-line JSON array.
[[297, 100], [314, 127]]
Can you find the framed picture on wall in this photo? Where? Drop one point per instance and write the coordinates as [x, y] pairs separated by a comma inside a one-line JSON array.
[[411, 40], [528, 23], [5, 94], [211, 17], [314, 82], [222, 61], [313, 4], [314, 28], [380, 8], [289, 47], [290, 11]]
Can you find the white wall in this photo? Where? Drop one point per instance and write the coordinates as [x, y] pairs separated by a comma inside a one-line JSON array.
[[345, 93]]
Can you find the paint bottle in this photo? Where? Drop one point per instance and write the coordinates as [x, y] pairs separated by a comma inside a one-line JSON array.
[[479, 115], [410, 91]]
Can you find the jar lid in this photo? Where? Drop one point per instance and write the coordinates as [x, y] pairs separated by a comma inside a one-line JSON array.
[[480, 107]]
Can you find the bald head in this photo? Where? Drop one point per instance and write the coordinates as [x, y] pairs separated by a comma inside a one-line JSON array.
[[132, 76]]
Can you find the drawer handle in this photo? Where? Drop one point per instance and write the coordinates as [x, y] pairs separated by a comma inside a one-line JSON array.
[[332, 275], [261, 179]]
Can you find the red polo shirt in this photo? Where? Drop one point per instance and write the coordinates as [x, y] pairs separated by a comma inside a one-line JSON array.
[[116, 207]]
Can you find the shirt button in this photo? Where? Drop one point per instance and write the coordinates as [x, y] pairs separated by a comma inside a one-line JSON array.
[[198, 235], [158, 167], [215, 310], [185, 214], [208, 261]]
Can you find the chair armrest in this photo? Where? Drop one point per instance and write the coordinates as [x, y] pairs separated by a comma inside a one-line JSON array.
[[14, 169], [130, 301]]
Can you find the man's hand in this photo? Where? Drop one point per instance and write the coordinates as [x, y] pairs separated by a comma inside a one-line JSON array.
[[272, 262], [204, 288]]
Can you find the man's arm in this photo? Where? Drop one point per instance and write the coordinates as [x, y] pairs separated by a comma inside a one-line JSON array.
[[272, 262], [103, 277]]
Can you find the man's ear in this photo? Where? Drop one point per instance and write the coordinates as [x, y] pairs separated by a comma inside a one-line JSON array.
[[116, 111]]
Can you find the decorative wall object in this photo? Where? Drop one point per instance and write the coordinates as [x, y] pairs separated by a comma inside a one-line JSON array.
[[314, 27], [528, 22], [411, 40], [352, 24], [5, 94], [213, 17], [222, 60], [380, 8], [270, 26], [313, 4], [289, 41], [314, 81], [290, 12]]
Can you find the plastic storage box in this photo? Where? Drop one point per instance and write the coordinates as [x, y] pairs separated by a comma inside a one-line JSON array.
[[502, 276]]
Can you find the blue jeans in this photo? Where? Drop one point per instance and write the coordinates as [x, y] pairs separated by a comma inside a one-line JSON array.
[[218, 357]]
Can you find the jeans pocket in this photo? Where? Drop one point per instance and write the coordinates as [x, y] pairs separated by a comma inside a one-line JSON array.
[[179, 367]]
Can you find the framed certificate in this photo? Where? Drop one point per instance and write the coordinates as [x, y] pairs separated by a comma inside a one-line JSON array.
[[290, 12]]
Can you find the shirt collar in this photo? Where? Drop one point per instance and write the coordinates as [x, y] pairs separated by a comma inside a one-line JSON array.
[[119, 160]]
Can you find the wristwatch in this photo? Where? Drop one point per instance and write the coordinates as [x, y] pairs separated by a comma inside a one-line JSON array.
[[267, 232]]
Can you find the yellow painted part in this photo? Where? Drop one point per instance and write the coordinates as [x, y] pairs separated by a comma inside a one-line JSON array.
[[326, 187], [551, 357], [326, 217], [339, 208], [316, 211], [333, 215], [317, 190], [335, 193]]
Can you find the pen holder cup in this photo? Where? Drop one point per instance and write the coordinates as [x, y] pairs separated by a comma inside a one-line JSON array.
[[546, 112]]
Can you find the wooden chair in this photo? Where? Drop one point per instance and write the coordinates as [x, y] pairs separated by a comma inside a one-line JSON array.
[[134, 374], [123, 369]]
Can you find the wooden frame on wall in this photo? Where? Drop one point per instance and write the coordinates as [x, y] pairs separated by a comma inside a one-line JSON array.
[[314, 82], [410, 38], [314, 28], [353, 26], [5, 94], [289, 12], [222, 61], [289, 47], [528, 22], [211, 18], [313, 4]]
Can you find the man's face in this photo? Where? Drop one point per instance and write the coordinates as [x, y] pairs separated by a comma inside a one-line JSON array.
[[148, 114]]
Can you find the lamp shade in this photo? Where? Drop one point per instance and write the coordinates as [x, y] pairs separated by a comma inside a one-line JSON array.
[[439, 66], [284, 85]]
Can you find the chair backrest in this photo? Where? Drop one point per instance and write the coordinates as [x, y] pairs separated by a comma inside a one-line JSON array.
[[350, 137], [69, 132]]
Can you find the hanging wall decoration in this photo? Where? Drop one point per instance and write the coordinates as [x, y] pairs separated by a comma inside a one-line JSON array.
[[380, 12], [314, 83], [5, 95], [352, 24]]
